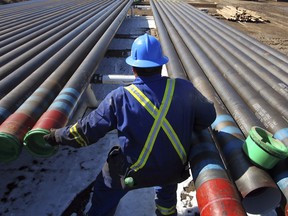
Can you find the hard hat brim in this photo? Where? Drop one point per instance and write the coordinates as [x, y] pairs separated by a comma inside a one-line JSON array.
[[146, 63]]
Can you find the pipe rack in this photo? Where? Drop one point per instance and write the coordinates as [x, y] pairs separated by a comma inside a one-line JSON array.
[[50, 51]]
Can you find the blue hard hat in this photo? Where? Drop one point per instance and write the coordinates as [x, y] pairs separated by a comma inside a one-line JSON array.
[[146, 52]]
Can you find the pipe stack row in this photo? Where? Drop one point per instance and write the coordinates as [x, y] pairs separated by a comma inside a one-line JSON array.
[[212, 182], [247, 82], [49, 57]]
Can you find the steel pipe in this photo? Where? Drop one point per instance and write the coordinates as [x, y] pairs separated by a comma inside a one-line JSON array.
[[224, 123], [280, 176], [63, 106], [17, 125], [26, 22], [174, 66], [243, 56], [215, 193], [17, 76], [274, 56], [251, 97], [112, 79], [78, 24], [268, 195], [64, 25], [235, 104], [53, 13], [280, 132], [13, 99], [210, 205], [12, 11]]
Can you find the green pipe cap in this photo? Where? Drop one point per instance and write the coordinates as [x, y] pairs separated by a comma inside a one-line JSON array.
[[263, 149], [36, 145], [266, 140], [10, 147]]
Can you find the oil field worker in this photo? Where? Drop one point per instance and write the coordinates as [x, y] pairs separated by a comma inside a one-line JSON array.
[[155, 117]]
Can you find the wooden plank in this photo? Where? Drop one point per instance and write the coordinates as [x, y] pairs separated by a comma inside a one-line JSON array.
[[240, 14], [203, 4]]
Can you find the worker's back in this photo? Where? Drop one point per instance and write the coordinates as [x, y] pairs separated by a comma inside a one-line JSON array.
[[167, 159]]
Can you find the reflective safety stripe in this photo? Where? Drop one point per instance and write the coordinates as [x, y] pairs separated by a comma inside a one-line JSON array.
[[77, 136], [166, 211], [159, 122]]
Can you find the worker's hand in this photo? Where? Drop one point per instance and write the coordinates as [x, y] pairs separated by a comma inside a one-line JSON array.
[[50, 138]]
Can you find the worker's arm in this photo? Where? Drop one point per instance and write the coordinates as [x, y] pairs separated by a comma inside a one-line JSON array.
[[87, 130], [205, 112]]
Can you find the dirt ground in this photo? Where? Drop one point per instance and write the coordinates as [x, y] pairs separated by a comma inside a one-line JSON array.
[[274, 33]]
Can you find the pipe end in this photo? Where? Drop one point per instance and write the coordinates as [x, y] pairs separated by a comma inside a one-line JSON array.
[[262, 200], [262, 149], [36, 145], [10, 147]]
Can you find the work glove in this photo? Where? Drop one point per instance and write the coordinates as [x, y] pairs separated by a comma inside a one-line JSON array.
[[50, 138]]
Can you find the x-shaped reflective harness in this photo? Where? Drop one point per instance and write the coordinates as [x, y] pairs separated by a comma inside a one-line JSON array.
[[159, 122]]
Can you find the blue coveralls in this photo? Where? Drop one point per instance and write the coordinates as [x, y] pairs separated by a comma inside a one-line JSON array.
[[164, 165]]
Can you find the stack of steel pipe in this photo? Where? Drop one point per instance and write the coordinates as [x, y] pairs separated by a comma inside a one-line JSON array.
[[207, 168], [71, 41], [53, 67], [65, 103], [226, 74], [52, 29]]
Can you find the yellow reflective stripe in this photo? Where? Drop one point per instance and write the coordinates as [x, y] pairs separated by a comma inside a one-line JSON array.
[[142, 159], [77, 136], [160, 121], [166, 126], [166, 211], [142, 99], [175, 141]]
